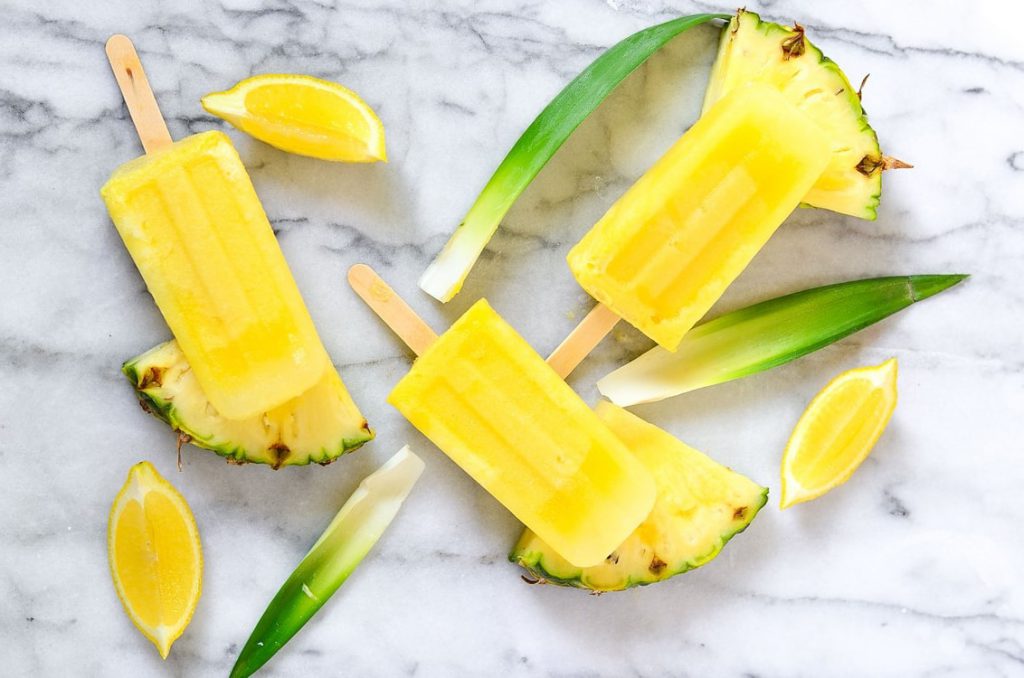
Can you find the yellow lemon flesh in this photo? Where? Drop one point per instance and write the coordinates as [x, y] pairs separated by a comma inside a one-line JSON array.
[[155, 557], [304, 115], [837, 431]]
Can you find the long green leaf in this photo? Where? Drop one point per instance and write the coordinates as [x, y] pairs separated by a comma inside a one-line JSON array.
[[445, 275], [342, 546], [765, 335]]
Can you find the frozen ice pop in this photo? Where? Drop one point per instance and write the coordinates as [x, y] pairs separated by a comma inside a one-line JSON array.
[[482, 395], [190, 218], [667, 250], [192, 222]]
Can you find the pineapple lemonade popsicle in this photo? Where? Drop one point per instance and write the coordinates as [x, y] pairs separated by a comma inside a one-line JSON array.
[[194, 226], [670, 246], [482, 395]]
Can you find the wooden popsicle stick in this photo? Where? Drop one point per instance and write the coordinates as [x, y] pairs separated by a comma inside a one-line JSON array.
[[418, 336], [584, 338], [391, 308], [138, 96]]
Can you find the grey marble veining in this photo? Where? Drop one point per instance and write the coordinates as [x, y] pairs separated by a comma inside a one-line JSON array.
[[911, 569]]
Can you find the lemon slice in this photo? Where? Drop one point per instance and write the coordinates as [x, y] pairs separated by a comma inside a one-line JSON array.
[[302, 114], [837, 431], [155, 557]]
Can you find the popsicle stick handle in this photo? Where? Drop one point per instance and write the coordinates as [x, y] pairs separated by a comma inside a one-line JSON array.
[[391, 308], [142, 106], [582, 340]]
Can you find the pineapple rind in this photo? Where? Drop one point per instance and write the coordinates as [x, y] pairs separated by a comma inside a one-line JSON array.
[[158, 401]]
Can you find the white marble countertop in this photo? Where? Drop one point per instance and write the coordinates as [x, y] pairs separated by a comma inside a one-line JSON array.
[[911, 569]]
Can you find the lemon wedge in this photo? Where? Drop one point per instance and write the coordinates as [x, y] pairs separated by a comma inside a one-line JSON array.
[[155, 557], [837, 431], [302, 114]]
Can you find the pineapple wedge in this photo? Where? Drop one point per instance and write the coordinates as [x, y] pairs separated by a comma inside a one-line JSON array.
[[753, 50], [701, 505], [318, 426]]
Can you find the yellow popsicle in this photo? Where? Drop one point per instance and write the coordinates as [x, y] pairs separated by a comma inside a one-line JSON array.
[[493, 405], [667, 249], [193, 223]]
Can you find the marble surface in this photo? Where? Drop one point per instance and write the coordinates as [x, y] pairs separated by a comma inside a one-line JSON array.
[[912, 569]]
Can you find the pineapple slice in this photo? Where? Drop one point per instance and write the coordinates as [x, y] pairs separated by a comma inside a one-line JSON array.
[[318, 426], [700, 506], [761, 51]]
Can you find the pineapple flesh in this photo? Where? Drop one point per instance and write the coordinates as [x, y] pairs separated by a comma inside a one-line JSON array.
[[319, 425], [753, 50], [700, 506]]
